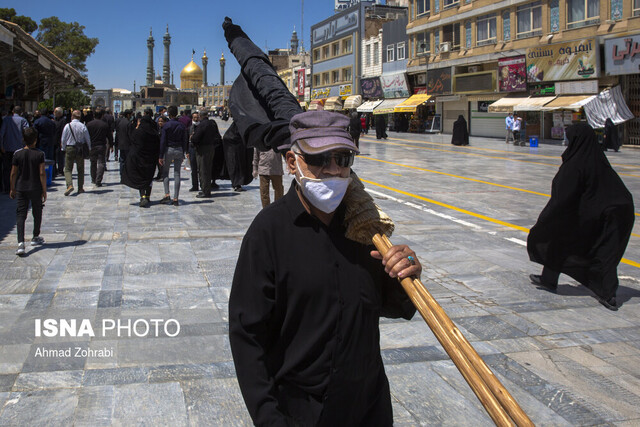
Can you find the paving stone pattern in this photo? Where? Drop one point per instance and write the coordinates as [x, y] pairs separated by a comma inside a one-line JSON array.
[[565, 358]]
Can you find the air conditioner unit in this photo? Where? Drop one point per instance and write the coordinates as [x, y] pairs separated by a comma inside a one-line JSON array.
[[445, 47], [474, 68]]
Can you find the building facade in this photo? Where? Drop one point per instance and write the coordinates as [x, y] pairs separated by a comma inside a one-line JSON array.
[[469, 54]]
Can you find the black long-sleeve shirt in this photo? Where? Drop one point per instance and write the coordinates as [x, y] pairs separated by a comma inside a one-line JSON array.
[[303, 312], [99, 132], [173, 134]]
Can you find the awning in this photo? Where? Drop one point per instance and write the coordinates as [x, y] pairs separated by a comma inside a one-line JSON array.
[[485, 97], [388, 105], [574, 102], [317, 105], [411, 104], [533, 103], [368, 106], [608, 104], [303, 104], [334, 103], [352, 102], [505, 105]]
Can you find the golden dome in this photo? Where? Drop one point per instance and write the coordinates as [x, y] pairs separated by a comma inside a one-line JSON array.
[[191, 71]]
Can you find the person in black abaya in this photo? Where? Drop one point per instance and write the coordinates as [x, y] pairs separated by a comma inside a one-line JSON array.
[[238, 158], [141, 161], [381, 127], [584, 229], [460, 133], [611, 138], [355, 128]]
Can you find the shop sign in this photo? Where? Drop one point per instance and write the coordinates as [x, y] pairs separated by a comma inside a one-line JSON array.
[[512, 74], [622, 55], [483, 81], [340, 26], [542, 89], [563, 61], [576, 87], [483, 106], [371, 88], [345, 90], [394, 85], [301, 81], [439, 81], [321, 93]]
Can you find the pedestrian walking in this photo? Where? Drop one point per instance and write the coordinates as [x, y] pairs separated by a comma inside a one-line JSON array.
[[99, 133], [74, 137], [142, 158], [205, 139], [28, 186], [174, 142], [267, 165], [193, 159], [13, 125], [60, 121], [238, 158], [107, 117], [123, 128], [611, 137], [585, 227], [355, 128], [46, 132], [381, 127], [460, 135], [508, 121]]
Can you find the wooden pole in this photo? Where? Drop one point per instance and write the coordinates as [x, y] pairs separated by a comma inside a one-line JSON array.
[[491, 393]]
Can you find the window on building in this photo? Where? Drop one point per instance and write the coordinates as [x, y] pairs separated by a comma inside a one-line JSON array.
[[486, 29], [636, 7], [346, 46], [376, 53], [335, 76], [346, 74], [582, 12], [335, 49], [529, 20], [449, 3], [422, 43], [401, 51], [325, 79], [451, 35], [367, 55], [316, 80], [390, 53], [325, 52], [316, 54], [422, 6]]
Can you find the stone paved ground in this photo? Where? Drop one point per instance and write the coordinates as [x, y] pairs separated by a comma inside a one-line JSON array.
[[565, 358]]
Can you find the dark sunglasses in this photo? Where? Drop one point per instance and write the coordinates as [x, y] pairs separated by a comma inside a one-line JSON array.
[[343, 159]]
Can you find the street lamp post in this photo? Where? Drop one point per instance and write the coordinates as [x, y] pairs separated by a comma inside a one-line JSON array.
[[426, 55]]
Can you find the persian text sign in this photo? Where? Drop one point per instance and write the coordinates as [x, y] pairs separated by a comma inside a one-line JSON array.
[[301, 81], [371, 88], [512, 74], [622, 55], [394, 85], [563, 61]]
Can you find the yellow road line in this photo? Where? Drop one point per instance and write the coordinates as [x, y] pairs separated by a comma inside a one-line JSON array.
[[473, 214], [454, 176]]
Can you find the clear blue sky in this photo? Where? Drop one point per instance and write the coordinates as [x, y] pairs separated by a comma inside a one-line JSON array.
[[123, 28]]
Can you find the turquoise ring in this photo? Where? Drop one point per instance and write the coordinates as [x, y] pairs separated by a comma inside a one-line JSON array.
[[412, 260]]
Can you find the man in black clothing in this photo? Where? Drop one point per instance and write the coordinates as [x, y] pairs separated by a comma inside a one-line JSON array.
[[46, 132], [193, 158], [205, 139], [305, 300], [107, 117], [59, 121], [29, 185], [123, 136], [99, 134]]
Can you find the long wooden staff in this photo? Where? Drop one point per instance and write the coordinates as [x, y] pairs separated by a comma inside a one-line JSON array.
[[492, 394]]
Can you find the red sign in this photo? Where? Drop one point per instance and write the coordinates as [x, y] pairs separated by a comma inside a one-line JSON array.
[[301, 81]]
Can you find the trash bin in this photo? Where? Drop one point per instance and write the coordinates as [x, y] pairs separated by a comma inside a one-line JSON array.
[[48, 167], [533, 141]]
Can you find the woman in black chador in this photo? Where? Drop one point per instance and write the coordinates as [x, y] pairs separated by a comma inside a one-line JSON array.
[[611, 138], [584, 229], [142, 159], [460, 133]]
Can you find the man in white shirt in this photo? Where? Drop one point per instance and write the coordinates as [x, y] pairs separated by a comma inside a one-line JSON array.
[[517, 126], [508, 121], [73, 136]]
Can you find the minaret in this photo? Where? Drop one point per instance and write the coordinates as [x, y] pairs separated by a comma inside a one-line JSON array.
[[150, 46], [205, 61], [222, 63], [294, 42], [172, 78], [166, 68]]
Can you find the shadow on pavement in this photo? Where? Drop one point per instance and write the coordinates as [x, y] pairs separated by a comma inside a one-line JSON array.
[[8, 215], [56, 245], [98, 191]]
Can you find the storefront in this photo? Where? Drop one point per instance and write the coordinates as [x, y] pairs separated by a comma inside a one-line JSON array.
[[317, 105], [483, 122], [352, 102], [333, 103], [412, 115]]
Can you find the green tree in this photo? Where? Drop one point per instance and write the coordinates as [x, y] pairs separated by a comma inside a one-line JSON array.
[[67, 41], [27, 24], [69, 99]]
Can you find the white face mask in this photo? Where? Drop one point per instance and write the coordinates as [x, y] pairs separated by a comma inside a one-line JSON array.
[[325, 194]]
